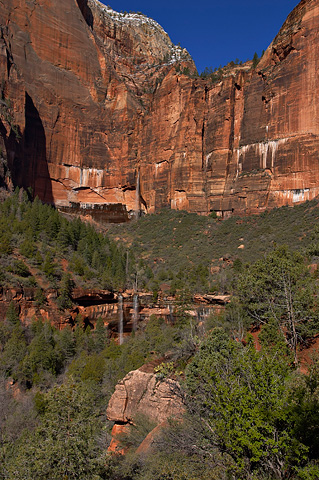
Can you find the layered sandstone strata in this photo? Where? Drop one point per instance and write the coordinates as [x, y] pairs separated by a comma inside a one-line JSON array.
[[111, 122]]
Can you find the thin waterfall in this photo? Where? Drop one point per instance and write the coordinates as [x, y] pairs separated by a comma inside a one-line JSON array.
[[171, 313], [203, 313], [120, 315], [135, 311]]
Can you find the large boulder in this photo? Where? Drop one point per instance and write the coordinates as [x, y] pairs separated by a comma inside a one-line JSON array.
[[138, 396], [143, 393]]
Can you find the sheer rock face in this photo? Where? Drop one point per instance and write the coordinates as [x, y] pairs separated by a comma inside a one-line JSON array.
[[142, 393], [109, 126]]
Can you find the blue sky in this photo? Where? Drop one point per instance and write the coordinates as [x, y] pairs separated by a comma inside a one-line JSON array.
[[215, 32]]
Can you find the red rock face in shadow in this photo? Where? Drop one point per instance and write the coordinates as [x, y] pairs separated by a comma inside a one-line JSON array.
[[109, 125], [115, 446]]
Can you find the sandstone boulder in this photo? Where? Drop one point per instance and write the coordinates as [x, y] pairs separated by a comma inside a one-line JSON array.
[[142, 393]]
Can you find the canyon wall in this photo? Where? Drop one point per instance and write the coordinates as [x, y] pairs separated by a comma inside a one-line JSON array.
[[101, 114]]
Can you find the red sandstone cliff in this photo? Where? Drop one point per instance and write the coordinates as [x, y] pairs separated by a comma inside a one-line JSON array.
[[108, 123]]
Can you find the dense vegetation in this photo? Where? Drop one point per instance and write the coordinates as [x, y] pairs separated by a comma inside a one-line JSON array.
[[52, 420], [35, 239], [248, 414], [201, 254]]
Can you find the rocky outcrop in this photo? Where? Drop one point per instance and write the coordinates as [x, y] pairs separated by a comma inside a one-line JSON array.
[[212, 299], [88, 305], [27, 306], [141, 392], [142, 395], [100, 115]]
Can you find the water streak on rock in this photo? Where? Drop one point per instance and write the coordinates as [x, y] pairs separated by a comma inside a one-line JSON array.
[[135, 311], [120, 319]]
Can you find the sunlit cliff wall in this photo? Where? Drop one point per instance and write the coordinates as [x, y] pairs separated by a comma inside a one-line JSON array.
[[108, 124]]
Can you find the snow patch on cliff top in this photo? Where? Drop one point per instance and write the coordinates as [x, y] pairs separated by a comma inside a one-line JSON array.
[[138, 19], [133, 18]]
